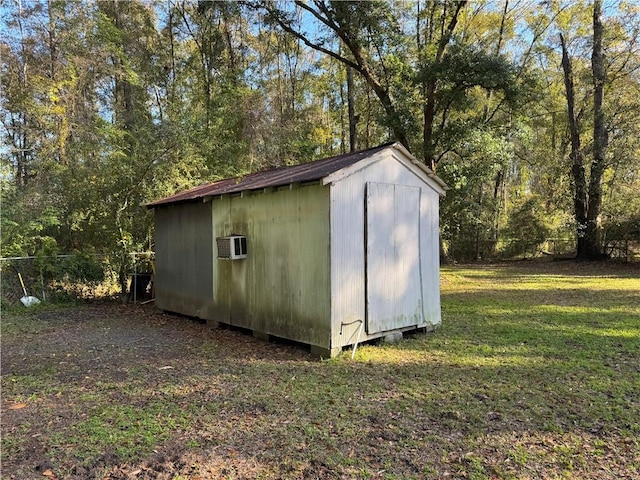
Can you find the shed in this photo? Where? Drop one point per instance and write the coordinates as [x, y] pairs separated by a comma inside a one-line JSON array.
[[327, 253]]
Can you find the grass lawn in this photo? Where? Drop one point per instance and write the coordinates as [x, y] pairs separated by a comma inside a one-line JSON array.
[[534, 374]]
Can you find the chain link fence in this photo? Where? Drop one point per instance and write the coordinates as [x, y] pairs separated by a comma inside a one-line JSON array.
[[626, 250], [474, 249], [63, 278], [81, 277]]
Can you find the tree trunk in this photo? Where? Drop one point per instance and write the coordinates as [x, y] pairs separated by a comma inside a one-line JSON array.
[[430, 87], [123, 89], [578, 179], [172, 89], [428, 114], [353, 119], [500, 174], [592, 232], [587, 199], [343, 129]]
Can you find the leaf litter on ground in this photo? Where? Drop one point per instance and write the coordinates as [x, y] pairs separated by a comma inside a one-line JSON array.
[[533, 374]]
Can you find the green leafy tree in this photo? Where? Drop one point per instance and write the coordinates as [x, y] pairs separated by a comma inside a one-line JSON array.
[[526, 229]]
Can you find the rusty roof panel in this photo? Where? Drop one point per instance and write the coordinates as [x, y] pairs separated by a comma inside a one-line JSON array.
[[305, 172]]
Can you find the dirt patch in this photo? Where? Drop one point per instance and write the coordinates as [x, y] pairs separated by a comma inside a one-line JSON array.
[[58, 367]]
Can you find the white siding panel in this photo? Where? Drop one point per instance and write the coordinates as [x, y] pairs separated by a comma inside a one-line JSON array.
[[347, 261], [430, 255], [394, 287], [348, 289], [381, 263]]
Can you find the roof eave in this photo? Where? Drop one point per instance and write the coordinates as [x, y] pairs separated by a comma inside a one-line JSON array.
[[430, 173]]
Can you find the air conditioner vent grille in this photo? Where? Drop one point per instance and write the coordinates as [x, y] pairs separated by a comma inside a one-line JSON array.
[[232, 247]]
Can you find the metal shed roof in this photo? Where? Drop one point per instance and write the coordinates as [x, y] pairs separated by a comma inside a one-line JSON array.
[[305, 172]]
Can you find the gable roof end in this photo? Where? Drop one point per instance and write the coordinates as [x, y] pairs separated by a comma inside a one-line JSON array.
[[412, 163]]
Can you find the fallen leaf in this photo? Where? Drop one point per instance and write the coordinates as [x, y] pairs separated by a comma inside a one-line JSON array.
[[17, 406], [48, 473]]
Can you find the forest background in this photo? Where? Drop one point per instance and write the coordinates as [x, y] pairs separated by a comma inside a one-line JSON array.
[[530, 111]]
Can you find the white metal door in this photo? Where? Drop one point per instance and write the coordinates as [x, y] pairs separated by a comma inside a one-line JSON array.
[[394, 287]]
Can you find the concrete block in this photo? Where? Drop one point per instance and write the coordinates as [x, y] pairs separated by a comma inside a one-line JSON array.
[[261, 335], [322, 352], [393, 337]]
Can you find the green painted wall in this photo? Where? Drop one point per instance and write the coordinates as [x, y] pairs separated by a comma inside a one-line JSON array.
[[184, 252], [282, 287]]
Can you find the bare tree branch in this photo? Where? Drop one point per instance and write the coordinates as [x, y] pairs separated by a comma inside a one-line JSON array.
[[276, 15]]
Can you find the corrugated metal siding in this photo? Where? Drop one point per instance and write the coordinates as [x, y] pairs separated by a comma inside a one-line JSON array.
[[183, 245], [282, 287], [347, 260], [430, 255], [348, 290]]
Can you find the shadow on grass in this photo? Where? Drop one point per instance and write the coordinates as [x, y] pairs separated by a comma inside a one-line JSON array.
[[578, 269], [298, 417], [513, 384]]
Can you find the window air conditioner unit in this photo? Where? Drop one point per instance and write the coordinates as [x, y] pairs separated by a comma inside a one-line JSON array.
[[232, 247]]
